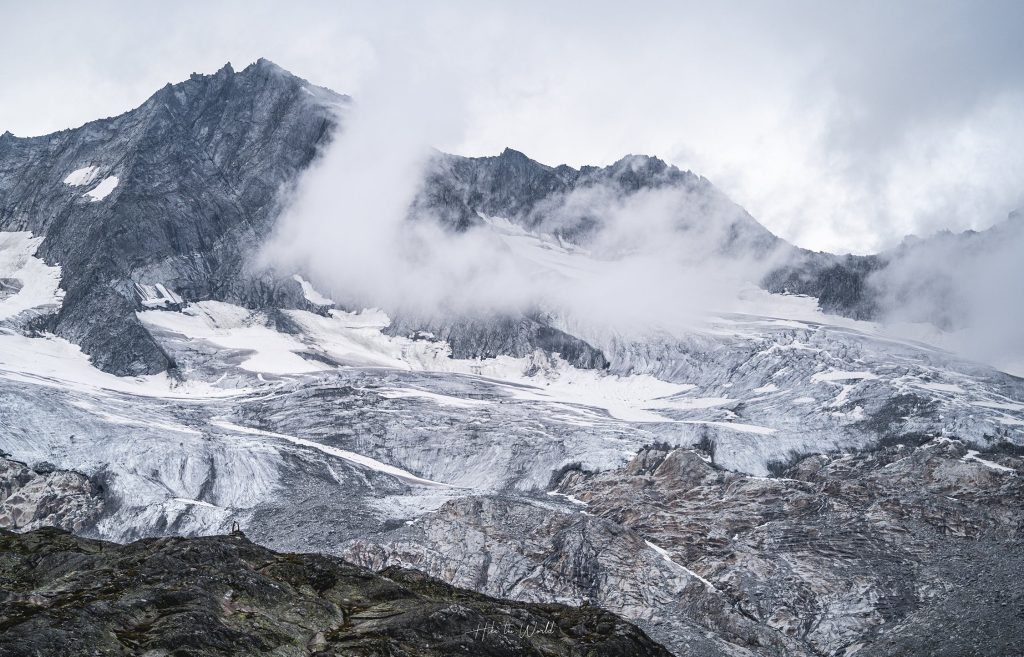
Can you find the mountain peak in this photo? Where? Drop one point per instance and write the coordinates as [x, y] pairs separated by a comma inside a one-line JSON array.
[[265, 64], [261, 78], [513, 154], [261, 66]]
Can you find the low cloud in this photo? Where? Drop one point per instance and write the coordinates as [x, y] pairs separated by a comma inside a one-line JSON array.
[[643, 258], [969, 285]]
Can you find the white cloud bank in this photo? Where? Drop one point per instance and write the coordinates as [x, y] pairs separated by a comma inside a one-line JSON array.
[[840, 126]]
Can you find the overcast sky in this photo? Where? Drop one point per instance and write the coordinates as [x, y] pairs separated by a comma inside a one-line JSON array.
[[841, 126]]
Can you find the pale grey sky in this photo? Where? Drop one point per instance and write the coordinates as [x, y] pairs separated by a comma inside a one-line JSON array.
[[841, 126]]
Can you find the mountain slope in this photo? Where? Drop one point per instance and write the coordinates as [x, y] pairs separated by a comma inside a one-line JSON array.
[[195, 176], [181, 191]]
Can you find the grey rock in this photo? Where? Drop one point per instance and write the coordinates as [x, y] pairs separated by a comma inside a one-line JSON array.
[[872, 550], [45, 496]]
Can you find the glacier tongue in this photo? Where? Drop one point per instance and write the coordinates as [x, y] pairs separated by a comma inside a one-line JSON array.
[[759, 390]]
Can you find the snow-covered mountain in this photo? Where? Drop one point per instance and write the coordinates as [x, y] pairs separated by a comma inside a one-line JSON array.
[[156, 377]]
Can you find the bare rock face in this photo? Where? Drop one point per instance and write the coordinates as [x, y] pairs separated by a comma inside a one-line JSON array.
[[224, 595], [46, 497], [838, 550], [869, 551], [535, 551], [192, 179]]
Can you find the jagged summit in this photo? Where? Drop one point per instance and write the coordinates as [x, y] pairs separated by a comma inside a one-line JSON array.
[[262, 78], [261, 73], [264, 64]]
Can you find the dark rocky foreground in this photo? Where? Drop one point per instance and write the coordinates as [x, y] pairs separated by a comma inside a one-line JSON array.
[[224, 595]]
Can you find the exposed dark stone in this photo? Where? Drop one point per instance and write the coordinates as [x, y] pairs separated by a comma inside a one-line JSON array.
[[223, 595], [487, 337]]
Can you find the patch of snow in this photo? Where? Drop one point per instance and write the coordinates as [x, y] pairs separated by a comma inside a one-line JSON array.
[[184, 500], [80, 177], [102, 190], [232, 327], [355, 339], [1002, 406], [838, 375], [842, 397], [972, 455], [351, 457], [439, 399], [667, 557], [574, 500], [690, 404], [40, 283], [735, 426], [629, 398], [939, 387], [310, 292], [157, 296], [771, 387], [54, 362], [803, 400]]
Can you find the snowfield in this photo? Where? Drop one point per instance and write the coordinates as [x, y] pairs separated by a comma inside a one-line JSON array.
[[83, 176], [39, 283], [355, 340], [310, 292], [102, 190]]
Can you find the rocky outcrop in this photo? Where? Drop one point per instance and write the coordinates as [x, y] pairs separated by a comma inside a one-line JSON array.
[[536, 551], [869, 552], [503, 335], [571, 203], [224, 595], [47, 497]]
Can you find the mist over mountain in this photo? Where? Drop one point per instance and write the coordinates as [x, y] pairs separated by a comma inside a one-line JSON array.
[[254, 301], [388, 222]]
